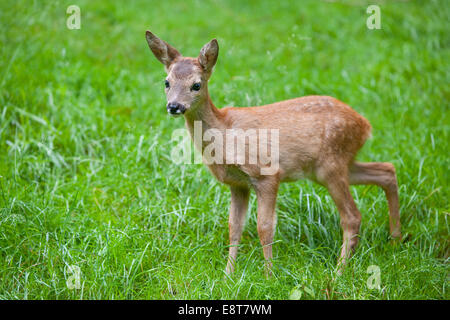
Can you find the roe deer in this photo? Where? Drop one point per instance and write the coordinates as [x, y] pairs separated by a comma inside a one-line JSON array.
[[319, 137]]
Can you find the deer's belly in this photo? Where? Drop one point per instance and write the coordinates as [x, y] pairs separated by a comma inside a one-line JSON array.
[[229, 174]]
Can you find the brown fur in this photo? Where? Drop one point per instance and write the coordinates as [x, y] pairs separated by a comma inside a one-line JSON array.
[[319, 139]]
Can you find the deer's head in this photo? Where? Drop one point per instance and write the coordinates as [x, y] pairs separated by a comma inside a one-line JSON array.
[[186, 84]]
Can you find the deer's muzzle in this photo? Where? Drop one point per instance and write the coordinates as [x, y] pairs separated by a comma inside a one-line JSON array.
[[175, 108]]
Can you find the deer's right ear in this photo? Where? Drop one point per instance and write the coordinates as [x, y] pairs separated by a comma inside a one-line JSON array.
[[163, 51]]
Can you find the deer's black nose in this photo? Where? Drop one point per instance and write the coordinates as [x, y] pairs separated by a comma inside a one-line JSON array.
[[175, 108]]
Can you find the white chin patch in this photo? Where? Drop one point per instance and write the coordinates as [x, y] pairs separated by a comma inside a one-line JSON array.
[[179, 113]]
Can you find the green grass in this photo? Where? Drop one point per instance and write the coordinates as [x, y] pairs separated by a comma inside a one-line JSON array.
[[86, 177]]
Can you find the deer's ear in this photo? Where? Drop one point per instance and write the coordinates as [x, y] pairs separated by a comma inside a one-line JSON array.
[[163, 51], [208, 55]]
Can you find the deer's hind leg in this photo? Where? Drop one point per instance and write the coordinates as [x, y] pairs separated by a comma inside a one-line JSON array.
[[381, 174], [335, 179]]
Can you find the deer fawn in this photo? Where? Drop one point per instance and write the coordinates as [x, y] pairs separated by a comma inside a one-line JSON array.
[[319, 137]]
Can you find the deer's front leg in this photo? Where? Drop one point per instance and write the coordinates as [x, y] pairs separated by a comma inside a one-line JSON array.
[[266, 191], [238, 209]]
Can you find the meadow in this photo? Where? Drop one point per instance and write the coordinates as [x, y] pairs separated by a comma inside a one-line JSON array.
[[87, 181]]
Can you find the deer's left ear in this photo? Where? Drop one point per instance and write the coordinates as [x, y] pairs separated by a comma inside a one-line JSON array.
[[208, 55]]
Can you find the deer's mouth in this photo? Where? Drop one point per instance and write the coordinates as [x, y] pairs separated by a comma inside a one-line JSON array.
[[176, 114]]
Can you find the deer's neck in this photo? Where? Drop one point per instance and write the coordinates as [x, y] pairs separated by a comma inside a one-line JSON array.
[[205, 116]]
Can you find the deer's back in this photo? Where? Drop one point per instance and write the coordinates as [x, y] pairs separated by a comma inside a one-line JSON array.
[[312, 129]]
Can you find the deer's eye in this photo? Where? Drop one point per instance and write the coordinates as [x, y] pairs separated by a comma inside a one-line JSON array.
[[196, 86], [166, 83]]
